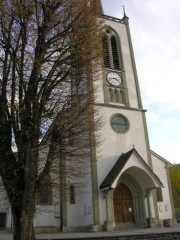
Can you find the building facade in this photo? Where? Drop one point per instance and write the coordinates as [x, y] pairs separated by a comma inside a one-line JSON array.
[[127, 183]]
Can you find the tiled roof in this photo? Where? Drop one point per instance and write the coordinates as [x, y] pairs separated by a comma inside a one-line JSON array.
[[108, 181]]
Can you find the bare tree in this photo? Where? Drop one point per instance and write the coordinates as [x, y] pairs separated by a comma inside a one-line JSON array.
[[49, 53]]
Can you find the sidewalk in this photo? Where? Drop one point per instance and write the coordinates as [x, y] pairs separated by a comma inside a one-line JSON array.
[[78, 235]]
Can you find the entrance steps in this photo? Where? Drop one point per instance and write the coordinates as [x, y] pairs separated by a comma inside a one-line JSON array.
[[125, 226]]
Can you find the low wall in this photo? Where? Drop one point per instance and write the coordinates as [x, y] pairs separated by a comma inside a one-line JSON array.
[[158, 236]]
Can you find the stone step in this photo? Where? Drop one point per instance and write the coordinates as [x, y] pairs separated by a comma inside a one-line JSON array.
[[125, 226]]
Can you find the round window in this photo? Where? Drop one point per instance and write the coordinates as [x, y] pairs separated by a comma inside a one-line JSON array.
[[119, 123]]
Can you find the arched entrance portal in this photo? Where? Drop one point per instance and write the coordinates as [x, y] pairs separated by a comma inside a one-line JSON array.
[[123, 204]]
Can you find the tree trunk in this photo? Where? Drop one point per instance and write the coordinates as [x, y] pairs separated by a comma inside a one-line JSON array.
[[27, 227], [16, 212], [23, 222], [27, 217]]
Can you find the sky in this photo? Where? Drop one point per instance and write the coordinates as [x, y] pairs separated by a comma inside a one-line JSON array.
[[155, 32]]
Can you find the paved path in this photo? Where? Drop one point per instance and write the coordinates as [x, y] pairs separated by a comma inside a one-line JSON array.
[[77, 235]]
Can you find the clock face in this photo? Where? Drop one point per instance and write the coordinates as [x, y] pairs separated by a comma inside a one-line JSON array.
[[113, 78], [119, 124]]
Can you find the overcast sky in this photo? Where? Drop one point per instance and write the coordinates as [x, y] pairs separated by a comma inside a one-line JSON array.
[[155, 32]]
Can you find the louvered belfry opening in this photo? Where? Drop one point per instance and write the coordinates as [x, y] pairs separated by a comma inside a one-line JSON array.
[[106, 52], [111, 50], [115, 53]]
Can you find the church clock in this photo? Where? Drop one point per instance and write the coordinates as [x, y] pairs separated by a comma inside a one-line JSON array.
[[114, 79]]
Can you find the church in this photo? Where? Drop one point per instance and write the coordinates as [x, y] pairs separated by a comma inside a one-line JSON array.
[[128, 184]]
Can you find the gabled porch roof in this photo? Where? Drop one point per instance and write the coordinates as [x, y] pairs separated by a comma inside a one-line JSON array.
[[120, 166]]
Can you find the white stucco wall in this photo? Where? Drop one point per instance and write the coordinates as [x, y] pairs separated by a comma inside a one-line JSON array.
[[164, 207], [45, 216], [114, 144], [80, 214]]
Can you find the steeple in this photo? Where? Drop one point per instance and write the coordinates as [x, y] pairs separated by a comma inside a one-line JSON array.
[[96, 6], [124, 11], [125, 18]]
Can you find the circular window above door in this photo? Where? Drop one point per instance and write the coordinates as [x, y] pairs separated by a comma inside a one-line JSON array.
[[119, 123]]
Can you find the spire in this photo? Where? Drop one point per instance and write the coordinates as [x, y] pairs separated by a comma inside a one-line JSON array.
[[125, 18], [96, 6], [124, 11]]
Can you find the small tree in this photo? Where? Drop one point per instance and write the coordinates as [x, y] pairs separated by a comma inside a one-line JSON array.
[[50, 52]]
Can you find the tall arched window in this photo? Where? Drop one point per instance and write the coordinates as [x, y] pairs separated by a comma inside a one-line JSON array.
[[111, 50]]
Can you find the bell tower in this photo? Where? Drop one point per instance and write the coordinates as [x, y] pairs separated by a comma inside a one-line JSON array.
[[115, 89]]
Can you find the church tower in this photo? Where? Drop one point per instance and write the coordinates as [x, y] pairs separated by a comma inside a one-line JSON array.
[[124, 181]]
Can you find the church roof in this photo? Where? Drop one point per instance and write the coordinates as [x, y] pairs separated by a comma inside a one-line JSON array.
[[161, 158], [118, 166]]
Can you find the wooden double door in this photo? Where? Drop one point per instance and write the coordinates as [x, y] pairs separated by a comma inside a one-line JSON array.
[[123, 205]]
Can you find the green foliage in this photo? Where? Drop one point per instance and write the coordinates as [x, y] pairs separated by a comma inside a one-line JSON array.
[[175, 183], [177, 210]]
